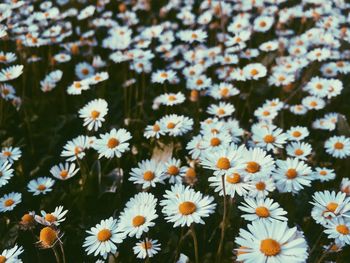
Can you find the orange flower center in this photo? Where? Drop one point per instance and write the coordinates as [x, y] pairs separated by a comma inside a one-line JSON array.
[[2, 58], [146, 245], [199, 82], [262, 24], [260, 186], [270, 247], [221, 111], [187, 208], [112, 143], [299, 152], [234, 179], [27, 219], [138, 221], [95, 114], [172, 98], [296, 134], [64, 174], [9, 202], [262, 211], [48, 236], [266, 113], [252, 167], [269, 138], [173, 170], [2, 259], [164, 75], [224, 92], [343, 229], [291, 173], [338, 145], [104, 235], [148, 176], [254, 72], [332, 207], [323, 172], [50, 218], [85, 71], [41, 187], [156, 128], [215, 141], [223, 163], [171, 125]]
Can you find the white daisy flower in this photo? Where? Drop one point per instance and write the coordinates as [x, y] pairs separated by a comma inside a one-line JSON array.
[[299, 150], [339, 229], [187, 207], [11, 255], [338, 146], [11, 73], [93, 113], [6, 172], [146, 248], [261, 187], [41, 185], [148, 174], [9, 201], [262, 209], [64, 171], [257, 162], [112, 144], [271, 242], [75, 149], [54, 218], [103, 238]]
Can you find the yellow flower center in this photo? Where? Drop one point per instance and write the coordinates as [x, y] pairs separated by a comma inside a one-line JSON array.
[[27, 219], [146, 245], [224, 92], [104, 235], [148, 175], [223, 163], [191, 173], [2, 259], [187, 208], [262, 211], [173, 170], [323, 172], [7, 154], [170, 125], [234, 179], [252, 167], [269, 138], [156, 128], [138, 221], [270, 247], [112, 143]]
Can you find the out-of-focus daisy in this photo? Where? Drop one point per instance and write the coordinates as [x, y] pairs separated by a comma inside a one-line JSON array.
[[163, 75], [11, 73], [292, 175], [93, 113], [221, 110], [77, 87], [147, 174], [48, 237], [6, 172], [7, 58], [27, 221], [263, 23], [9, 201], [102, 238], [112, 144], [270, 241], [146, 248], [223, 91], [262, 209], [254, 71], [345, 186], [187, 207], [11, 255], [84, 70], [41, 185], [170, 99], [64, 171], [338, 146]]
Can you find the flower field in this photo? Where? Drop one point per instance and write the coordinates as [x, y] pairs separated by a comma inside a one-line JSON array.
[[174, 131]]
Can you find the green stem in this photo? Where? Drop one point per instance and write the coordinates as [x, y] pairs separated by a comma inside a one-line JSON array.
[[195, 243]]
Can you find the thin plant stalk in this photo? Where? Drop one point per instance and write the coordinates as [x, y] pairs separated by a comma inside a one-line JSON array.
[[195, 243], [223, 222]]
